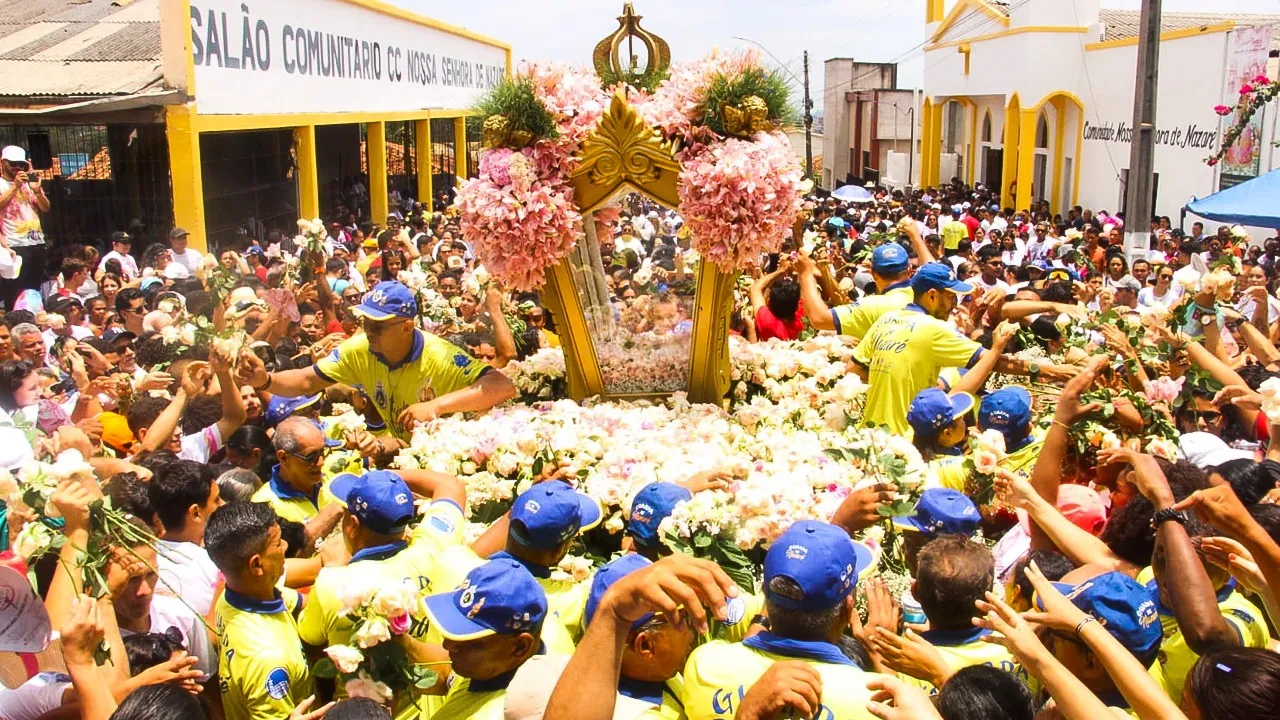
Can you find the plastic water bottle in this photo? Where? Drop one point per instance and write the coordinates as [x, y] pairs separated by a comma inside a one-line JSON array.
[[911, 610]]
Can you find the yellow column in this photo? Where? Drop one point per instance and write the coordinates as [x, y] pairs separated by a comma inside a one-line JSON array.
[[184, 166], [1055, 198], [460, 147], [972, 155], [308, 172], [1026, 158], [1009, 171], [376, 149], [422, 145], [935, 146], [927, 131]]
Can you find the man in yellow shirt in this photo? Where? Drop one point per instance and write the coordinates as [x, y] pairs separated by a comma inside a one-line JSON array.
[[953, 232], [952, 574], [890, 268], [262, 671], [410, 375], [905, 349], [378, 510], [295, 490], [491, 626], [810, 573]]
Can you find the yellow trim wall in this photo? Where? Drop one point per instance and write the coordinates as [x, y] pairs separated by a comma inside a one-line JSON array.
[[1171, 35], [184, 167], [1006, 33], [422, 143], [959, 10], [376, 150], [1060, 108]]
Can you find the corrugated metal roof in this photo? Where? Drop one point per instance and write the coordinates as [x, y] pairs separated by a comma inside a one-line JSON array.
[[1120, 24], [81, 48]]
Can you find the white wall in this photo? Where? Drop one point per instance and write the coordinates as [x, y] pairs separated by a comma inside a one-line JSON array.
[[1191, 72]]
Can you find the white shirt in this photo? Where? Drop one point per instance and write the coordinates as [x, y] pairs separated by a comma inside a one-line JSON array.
[[35, 697], [202, 445], [186, 571], [1147, 297], [189, 258], [127, 264], [978, 282]]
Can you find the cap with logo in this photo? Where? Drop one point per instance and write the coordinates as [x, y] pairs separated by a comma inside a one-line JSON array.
[[942, 511], [1128, 282], [498, 598], [280, 407], [387, 300], [653, 504], [889, 258], [938, 276], [821, 562], [121, 237], [1007, 410], [379, 499], [548, 514], [933, 409], [1122, 605]]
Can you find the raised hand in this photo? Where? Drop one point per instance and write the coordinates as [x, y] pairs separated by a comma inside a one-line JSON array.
[[788, 688], [666, 586]]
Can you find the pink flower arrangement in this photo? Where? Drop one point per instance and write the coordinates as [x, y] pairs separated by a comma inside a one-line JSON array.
[[518, 234], [1246, 88], [1222, 109], [740, 198], [677, 101], [1261, 79]]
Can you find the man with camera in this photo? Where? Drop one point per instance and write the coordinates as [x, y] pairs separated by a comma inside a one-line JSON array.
[[22, 199]]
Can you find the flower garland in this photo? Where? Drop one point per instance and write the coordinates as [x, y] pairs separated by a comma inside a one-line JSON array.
[[1253, 97]]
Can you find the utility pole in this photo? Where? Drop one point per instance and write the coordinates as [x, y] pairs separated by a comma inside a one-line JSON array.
[[808, 122], [1138, 199]]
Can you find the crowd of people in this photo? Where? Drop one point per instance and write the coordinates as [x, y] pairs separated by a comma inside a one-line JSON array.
[[1135, 581]]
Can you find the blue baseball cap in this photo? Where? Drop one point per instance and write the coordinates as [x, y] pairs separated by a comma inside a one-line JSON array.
[[932, 410], [546, 515], [1007, 410], [938, 276], [607, 576], [653, 504], [942, 511], [280, 407], [889, 258], [1125, 607], [388, 299], [820, 559], [379, 499], [500, 597]]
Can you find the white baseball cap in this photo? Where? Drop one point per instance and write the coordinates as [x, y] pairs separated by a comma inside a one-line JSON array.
[[13, 153], [176, 271]]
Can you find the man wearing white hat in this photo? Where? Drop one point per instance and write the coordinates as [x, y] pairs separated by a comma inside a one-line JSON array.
[[22, 199]]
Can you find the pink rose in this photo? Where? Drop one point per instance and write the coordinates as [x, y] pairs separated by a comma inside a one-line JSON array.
[[400, 624], [1261, 80], [1245, 89], [1222, 110]]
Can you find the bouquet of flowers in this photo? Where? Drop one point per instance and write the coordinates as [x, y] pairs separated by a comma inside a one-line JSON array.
[[985, 453], [884, 457], [371, 664], [311, 236]]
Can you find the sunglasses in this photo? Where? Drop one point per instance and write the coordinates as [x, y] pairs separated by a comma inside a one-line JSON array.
[[311, 458]]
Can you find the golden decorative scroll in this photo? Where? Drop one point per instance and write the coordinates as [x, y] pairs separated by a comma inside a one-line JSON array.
[[624, 153], [751, 117]]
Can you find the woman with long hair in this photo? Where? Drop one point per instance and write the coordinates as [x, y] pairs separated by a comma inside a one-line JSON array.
[[20, 395]]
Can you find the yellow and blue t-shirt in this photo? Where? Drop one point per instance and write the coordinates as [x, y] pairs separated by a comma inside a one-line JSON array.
[[289, 503], [486, 701], [262, 671], [965, 648], [946, 471], [855, 319], [414, 561], [664, 697], [903, 352], [433, 367], [1176, 658], [719, 674]]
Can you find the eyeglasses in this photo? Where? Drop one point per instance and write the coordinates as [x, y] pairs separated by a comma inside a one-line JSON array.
[[376, 327], [311, 458]]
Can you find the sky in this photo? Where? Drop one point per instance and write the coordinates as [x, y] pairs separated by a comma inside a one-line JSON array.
[[866, 30]]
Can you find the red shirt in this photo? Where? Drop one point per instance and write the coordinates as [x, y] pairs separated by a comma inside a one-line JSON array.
[[972, 223], [769, 325]]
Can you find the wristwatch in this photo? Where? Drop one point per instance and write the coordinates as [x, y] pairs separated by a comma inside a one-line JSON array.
[[1167, 514]]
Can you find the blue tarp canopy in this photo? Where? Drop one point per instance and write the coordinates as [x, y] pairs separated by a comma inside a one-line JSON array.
[[1255, 202]]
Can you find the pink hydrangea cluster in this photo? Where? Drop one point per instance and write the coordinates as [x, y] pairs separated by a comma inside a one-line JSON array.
[[740, 198], [519, 233]]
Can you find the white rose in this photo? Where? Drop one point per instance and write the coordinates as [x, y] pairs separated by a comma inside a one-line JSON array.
[[394, 600], [346, 658], [372, 632], [33, 539], [187, 335], [986, 462], [355, 594]]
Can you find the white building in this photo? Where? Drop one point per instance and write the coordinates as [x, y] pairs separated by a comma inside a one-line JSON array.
[[1036, 97], [869, 127]]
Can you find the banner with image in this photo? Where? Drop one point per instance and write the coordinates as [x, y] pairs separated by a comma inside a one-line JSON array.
[[1246, 59]]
